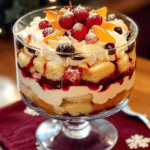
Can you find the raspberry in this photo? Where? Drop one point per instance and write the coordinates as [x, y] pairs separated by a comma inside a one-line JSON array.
[[73, 75], [91, 38], [111, 48], [93, 19], [81, 14], [44, 24], [79, 31], [36, 76], [67, 20], [47, 31], [65, 48]]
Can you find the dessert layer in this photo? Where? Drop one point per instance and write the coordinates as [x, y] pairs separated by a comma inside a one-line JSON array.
[[55, 96], [92, 39], [73, 108]]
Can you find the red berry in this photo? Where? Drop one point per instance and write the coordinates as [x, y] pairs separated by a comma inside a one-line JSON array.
[[44, 24], [67, 20], [47, 31], [81, 14], [91, 38], [36, 76], [93, 19], [73, 75], [79, 31]]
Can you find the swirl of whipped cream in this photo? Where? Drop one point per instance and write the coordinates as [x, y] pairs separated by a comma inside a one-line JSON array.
[[91, 51]]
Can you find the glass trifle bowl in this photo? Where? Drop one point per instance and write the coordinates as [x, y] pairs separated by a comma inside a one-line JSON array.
[[76, 67]]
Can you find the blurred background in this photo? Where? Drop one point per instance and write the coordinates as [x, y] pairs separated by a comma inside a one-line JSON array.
[[11, 10]]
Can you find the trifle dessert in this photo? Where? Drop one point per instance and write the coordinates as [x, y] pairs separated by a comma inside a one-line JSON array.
[[76, 61]]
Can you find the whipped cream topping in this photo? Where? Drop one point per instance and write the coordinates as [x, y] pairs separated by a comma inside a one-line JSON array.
[[98, 96], [97, 50]]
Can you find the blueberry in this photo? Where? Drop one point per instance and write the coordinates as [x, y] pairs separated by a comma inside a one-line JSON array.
[[31, 50], [118, 30], [65, 48], [19, 45], [127, 35], [111, 48], [77, 57], [130, 48]]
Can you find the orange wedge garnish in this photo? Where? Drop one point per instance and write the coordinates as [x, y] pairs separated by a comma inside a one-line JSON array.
[[102, 12], [29, 39], [103, 35], [108, 26], [55, 24], [63, 10], [51, 15], [55, 35]]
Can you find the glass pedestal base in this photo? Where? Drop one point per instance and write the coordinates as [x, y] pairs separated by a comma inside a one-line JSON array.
[[50, 135]]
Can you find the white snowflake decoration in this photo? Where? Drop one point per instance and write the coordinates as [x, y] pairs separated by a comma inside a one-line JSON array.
[[136, 141], [30, 112]]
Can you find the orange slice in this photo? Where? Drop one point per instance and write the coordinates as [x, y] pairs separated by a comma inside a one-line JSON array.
[[107, 26], [55, 24], [29, 39], [103, 35], [51, 15], [102, 12], [55, 35], [63, 10]]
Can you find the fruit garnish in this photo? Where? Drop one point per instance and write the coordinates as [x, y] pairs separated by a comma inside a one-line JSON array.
[[93, 19], [19, 45], [67, 20], [63, 10], [73, 75], [91, 38], [111, 48], [44, 24], [29, 39], [55, 24], [37, 76], [47, 31], [31, 50], [77, 57], [54, 35], [108, 26], [130, 48], [127, 35], [51, 15], [79, 31], [81, 14], [118, 30], [65, 48], [103, 35], [102, 12], [83, 69]]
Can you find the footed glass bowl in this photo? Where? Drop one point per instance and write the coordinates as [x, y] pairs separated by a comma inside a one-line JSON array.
[[67, 130]]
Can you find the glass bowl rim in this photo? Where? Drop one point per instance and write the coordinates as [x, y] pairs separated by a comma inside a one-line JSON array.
[[131, 40]]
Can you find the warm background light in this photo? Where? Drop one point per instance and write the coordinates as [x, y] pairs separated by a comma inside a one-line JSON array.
[[1, 30], [52, 1]]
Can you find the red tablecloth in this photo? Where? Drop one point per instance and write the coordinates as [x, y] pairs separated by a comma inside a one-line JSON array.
[[17, 129]]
